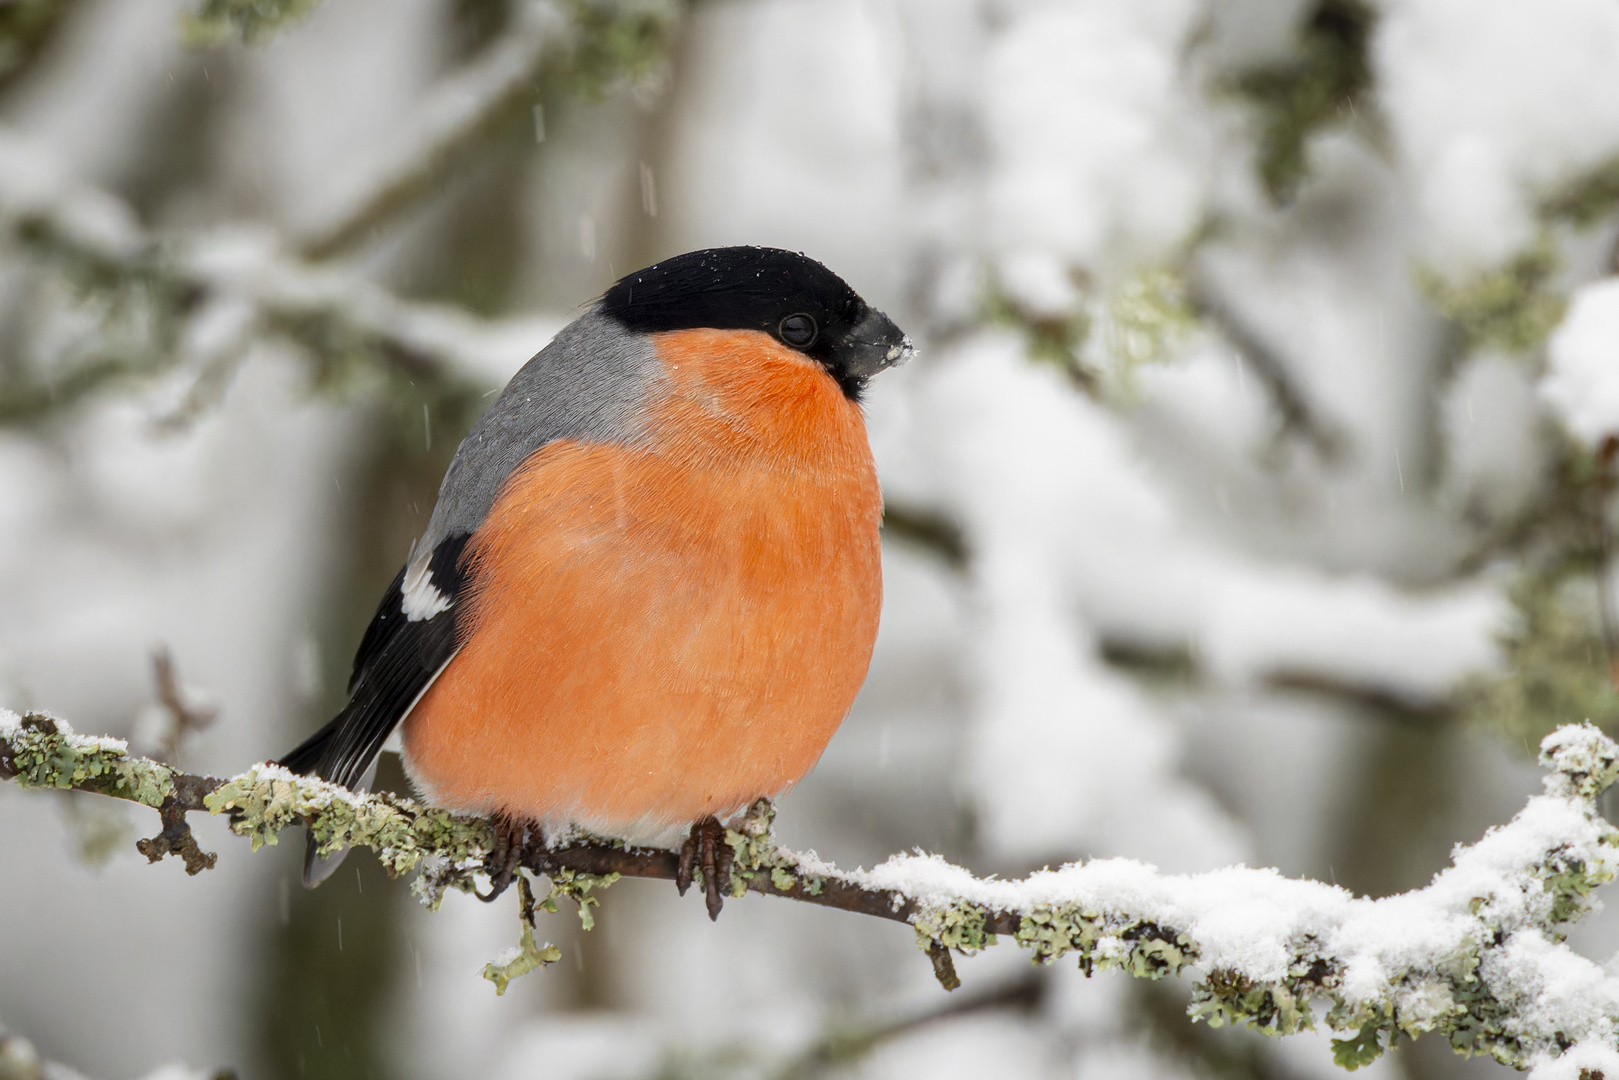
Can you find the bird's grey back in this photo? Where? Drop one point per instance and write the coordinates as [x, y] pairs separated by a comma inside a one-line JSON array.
[[590, 383]]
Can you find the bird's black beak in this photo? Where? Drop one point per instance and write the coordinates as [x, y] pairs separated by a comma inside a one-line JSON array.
[[874, 344]]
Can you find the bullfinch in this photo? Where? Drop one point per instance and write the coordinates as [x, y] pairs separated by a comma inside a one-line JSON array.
[[649, 589]]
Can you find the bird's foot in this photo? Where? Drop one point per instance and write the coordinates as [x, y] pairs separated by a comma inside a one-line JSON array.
[[503, 860], [705, 849]]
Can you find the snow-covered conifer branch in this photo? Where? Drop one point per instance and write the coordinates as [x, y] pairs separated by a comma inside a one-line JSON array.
[[225, 288], [1477, 956], [457, 113], [254, 21]]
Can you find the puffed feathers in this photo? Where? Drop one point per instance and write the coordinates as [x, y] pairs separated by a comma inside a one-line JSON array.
[[648, 591]]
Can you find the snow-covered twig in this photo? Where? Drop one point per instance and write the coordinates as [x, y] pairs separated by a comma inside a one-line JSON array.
[[228, 286], [254, 21], [1298, 415], [459, 112], [1477, 956]]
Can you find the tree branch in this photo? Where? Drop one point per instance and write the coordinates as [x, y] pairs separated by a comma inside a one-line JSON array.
[[339, 318], [1478, 955], [1298, 415], [458, 113]]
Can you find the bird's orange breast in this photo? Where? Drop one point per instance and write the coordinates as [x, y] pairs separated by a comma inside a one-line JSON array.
[[662, 631]]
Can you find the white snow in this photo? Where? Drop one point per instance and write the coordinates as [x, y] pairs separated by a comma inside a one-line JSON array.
[[11, 727], [179, 1071], [1099, 155], [33, 183], [1253, 921], [251, 275], [1582, 373], [1073, 537], [1580, 1062], [448, 111], [1492, 103]]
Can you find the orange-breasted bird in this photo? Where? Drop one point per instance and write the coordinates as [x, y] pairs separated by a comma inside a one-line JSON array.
[[649, 590]]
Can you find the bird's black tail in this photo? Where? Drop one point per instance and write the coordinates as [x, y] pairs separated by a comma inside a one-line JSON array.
[[306, 760]]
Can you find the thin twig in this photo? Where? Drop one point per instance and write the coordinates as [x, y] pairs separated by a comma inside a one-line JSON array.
[[1607, 617], [334, 315], [662, 865], [185, 718], [457, 114], [841, 1047], [1298, 416]]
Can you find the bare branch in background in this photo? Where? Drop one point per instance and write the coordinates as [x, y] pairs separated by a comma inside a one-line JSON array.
[[846, 1045], [253, 21], [185, 717], [1298, 416], [1380, 700], [338, 318], [150, 292], [928, 529], [1477, 955], [457, 114], [25, 27], [1607, 617]]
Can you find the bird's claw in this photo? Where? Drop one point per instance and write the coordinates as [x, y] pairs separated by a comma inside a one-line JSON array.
[[503, 860], [705, 849]]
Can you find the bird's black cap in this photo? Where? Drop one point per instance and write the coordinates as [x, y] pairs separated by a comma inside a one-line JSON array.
[[787, 295]]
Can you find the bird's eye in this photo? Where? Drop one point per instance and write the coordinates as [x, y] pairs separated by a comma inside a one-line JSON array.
[[799, 330]]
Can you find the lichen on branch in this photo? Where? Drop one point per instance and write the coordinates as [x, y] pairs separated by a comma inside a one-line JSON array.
[[37, 751], [1477, 956]]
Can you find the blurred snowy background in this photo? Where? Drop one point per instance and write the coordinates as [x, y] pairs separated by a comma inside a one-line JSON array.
[[1245, 505]]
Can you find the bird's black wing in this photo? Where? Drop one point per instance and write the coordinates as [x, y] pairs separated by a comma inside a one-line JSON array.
[[398, 659]]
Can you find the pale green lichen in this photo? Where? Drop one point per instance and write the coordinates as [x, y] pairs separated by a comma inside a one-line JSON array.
[[1144, 320], [1588, 198], [577, 886], [528, 955], [753, 844], [1450, 998], [1325, 80], [1275, 1008], [1113, 330], [267, 799], [1557, 662], [214, 22], [46, 753], [1103, 941], [962, 927], [757, 861], [1512, 307], [1583, 761], [1359, 1049]]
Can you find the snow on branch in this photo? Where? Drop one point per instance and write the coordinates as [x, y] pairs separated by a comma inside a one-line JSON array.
[[457, 113], [254, 21], [590, 46], [1477, 956], [226, 288]]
